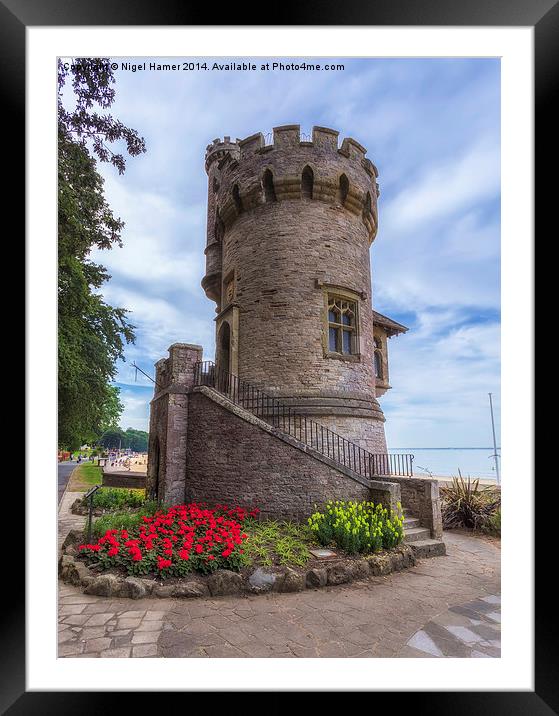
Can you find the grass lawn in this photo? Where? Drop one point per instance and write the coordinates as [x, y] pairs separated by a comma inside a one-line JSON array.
[[84, 477]]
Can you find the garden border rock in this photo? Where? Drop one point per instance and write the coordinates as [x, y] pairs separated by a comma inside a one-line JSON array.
[[224, 582]]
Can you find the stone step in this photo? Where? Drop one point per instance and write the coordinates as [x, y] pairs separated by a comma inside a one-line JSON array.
[[416, 533], [428, 548], [410, 522]]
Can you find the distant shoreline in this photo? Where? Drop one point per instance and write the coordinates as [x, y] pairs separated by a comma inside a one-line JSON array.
[[449, 478], [441, 448]]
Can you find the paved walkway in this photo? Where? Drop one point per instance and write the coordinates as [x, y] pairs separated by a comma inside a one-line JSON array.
[[65, 469], [66, 520], [472, 629], [445, 606]]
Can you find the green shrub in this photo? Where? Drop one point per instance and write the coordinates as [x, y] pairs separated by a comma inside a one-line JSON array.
[[465, 504], [492, 525], [357, 527], [123, 520], [118, 498]]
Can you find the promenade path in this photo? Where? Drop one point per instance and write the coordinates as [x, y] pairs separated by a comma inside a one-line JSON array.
[[443, 607], [65, 469]]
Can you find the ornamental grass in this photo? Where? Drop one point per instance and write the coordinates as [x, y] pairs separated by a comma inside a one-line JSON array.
[[466, 504]]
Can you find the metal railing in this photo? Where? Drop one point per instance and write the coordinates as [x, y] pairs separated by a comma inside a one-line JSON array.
[[285, 418]]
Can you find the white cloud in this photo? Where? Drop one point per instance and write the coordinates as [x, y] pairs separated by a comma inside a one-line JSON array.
[[440, 386], [444, 189]]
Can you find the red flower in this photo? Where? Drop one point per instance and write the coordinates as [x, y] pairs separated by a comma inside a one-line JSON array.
[[113, 552], [163, 563]]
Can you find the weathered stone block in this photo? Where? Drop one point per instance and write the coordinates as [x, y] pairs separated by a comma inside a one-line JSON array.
[[224, 582], [134, 588], [380, 564], [317, 577], [263, 581], [191, 589], [106, 585], [163, 591], [73, 538], [360, 569], [67, 570], [291, 581], [339, 574]]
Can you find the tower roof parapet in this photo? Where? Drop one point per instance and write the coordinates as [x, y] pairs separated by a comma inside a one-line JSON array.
[[289, 136], [342, 174], [219, 149]]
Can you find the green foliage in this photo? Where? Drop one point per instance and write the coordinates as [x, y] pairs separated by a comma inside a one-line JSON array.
[[116, 498], [92, 80], [466, 504], [136, 440], [112, 409], [122, 520], [112, 439], [91, 333], [130, 439], [273, 541], [357, 527], [492, 525]]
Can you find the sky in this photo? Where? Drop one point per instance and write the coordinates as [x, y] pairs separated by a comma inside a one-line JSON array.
[[431, 127]]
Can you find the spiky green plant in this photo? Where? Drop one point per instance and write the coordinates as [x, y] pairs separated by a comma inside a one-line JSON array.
[[466, 504]]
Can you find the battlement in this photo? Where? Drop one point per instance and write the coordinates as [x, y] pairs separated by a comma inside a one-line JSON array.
[[255, 171], [289, 136], [219, 149]]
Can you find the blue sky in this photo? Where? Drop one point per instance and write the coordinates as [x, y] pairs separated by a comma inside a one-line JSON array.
[[431, 126]]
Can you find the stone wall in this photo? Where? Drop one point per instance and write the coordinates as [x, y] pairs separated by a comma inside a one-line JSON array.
[[166, 470], [235, 457], [421, 498], [129, 480]]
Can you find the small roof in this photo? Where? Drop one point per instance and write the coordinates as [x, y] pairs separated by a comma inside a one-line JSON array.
[[391, 327]]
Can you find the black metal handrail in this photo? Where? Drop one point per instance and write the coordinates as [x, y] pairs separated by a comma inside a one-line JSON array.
[[302, 428]]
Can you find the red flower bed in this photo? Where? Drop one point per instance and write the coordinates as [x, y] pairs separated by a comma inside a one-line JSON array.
[[173, 543]]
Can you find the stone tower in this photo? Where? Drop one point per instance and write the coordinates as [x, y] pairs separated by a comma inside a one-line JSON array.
[[290, 226]]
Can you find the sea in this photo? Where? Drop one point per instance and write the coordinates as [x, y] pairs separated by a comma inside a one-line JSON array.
[[473, 462]]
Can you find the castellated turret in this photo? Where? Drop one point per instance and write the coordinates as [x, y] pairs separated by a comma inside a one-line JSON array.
[[290, 226]]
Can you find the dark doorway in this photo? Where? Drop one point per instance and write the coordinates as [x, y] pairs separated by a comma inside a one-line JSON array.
[[224, 353], [155, 470]]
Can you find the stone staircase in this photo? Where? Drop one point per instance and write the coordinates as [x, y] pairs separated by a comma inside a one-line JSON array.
[[419, 538]]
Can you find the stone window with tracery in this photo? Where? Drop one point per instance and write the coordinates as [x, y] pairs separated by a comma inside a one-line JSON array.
[[379, 373], [342, 325]]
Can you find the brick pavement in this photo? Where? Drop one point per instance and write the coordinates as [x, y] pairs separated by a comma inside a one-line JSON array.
[[380, 617]]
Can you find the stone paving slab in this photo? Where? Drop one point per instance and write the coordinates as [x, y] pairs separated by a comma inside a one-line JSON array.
[[445, 606], [469, 630]]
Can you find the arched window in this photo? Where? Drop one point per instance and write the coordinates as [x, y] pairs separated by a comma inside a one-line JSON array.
[[237, 199], [343, 189], [215, 185], [342, 325], [307, 181], [378, 364], [268, 186], [367, 208]]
